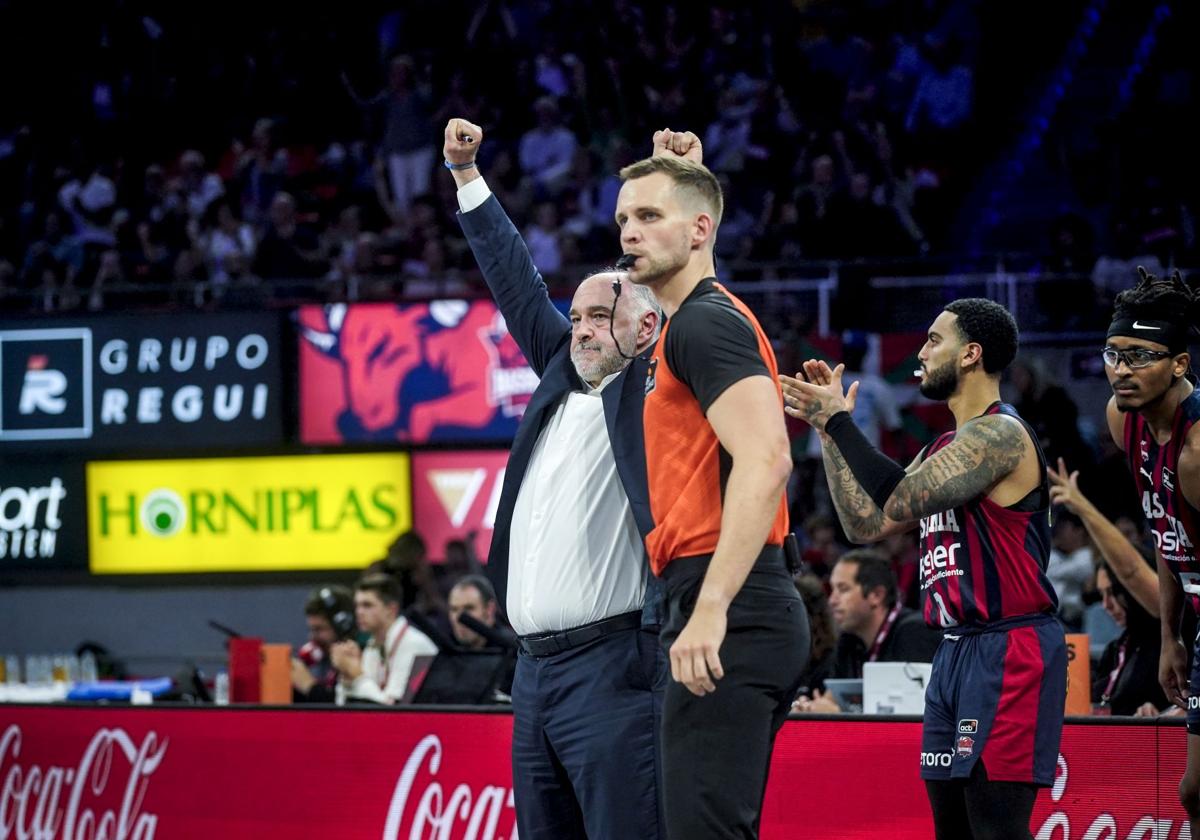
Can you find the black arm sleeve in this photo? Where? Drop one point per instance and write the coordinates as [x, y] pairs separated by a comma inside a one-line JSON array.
[[709, 347], [877, 473]]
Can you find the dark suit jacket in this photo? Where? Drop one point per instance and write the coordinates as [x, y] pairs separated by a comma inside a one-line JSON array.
[[544, 336]]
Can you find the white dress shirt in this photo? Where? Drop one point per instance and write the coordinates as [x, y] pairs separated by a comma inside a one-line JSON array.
[[575, 555], [386, 669]]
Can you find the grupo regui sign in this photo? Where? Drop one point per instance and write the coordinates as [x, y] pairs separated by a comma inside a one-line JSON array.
[[120, 383], [402, 775]]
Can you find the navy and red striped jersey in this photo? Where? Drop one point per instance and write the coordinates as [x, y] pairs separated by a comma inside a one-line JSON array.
[[1173, 521], [980, 562]]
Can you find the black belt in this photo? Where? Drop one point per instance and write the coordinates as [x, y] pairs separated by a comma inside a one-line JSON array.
[[548, 644]]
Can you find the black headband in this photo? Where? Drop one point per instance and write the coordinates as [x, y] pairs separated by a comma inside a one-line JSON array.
[[1172, 334]]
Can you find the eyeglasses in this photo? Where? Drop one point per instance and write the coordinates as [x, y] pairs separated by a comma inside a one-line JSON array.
[[1134, 358]]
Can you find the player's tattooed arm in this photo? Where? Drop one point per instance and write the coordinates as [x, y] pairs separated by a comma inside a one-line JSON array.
[[983, 452], [861, 518]]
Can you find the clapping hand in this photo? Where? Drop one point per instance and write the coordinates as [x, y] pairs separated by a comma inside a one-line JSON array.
[[815, 393]]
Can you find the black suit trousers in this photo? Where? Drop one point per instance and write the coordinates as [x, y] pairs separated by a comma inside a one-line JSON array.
[[717, 748]]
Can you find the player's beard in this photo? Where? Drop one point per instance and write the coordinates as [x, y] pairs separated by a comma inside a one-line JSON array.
[[940, 383], [593, 361]]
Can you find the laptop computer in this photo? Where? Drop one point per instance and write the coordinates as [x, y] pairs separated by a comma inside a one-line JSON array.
[[848, 694], [456, 677], [895, 688]]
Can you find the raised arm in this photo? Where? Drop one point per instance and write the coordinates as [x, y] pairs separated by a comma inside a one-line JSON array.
[[815, 396], [1122, 557], [516, 285], [984, 452]]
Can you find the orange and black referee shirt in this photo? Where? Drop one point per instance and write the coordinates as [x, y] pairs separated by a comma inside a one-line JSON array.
[[710, 343]]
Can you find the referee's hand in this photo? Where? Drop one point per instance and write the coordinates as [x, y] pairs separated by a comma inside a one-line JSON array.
[[695, 655]]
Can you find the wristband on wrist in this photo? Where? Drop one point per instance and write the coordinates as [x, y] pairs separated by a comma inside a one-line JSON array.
[[459, 167], [875, 472]]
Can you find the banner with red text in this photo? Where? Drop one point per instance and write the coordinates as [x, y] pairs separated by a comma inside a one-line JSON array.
[[185, 774]]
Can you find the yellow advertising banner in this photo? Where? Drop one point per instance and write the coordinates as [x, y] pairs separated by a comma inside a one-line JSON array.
[[276, 514]]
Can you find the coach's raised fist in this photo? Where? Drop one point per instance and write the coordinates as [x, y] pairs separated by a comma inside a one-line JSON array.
[[462, 141]]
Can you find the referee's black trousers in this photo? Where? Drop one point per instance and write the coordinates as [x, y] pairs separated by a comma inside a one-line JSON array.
[[717, 748]]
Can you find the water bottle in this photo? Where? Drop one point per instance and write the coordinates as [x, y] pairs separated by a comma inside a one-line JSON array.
[[221, 688], [87, 667]]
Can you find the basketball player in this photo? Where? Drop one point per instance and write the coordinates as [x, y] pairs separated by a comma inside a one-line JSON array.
[[994, 705], [1152, 416]]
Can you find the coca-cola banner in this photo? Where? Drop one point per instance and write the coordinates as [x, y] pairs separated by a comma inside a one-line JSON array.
[[442, 371], [455, 494], [124, 773]]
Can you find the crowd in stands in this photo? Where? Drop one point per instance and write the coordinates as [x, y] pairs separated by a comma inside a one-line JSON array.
[[299, 159]]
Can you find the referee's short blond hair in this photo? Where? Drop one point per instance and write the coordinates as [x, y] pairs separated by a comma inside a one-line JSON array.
[[694, 183]]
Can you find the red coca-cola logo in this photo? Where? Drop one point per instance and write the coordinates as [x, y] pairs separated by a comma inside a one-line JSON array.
[[1110, 824], [429, 809], [76, 803]]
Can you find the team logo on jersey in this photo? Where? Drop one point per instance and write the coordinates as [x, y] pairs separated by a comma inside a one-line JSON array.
[[968, 727], [651, 372], [965, 746], [1168, 480], [1145, 449]]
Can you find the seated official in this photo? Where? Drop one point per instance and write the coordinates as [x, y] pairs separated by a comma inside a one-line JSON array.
[[380, 672], [873, 625], [329, 613], [475, 597]]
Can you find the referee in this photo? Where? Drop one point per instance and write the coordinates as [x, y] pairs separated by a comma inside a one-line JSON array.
[[717, 460]]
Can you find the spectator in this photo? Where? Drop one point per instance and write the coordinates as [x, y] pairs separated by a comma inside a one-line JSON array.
[[57, 252], [823, 549], [547, 150], [873, 626], [1071, 568], [875, 408], [287, 250], [824, 635], [407, 147], [91, 204], [1048, 408], [260, 170], [226, 236], [544, 239], [201, 188], [860, 227], [943, 98], [329, 613], [407, 561], [1126, 680], [379, 673]]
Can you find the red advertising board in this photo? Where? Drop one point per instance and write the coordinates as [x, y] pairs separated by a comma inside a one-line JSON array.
[[414, 373], [455, 494], [137, 774]]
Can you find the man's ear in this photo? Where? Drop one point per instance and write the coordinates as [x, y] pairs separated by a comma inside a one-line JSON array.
[[972, 354], [703, 230], [647, 325]]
